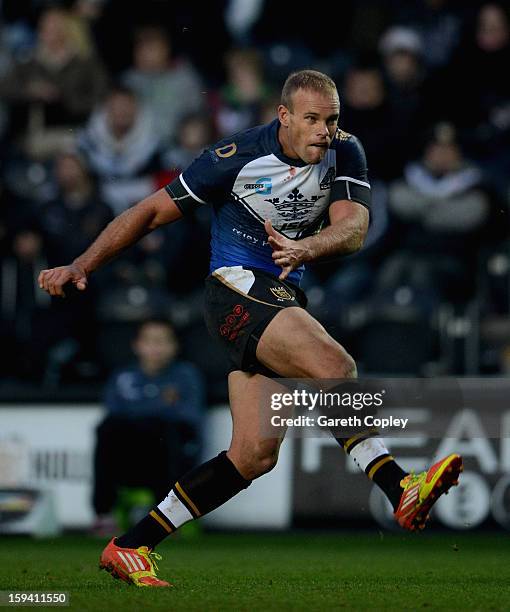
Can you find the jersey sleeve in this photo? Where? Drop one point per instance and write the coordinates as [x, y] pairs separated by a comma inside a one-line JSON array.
[[351, 181], [207, 180]]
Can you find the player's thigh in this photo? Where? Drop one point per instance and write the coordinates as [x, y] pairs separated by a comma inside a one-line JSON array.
[[252, 438], [295, 345]]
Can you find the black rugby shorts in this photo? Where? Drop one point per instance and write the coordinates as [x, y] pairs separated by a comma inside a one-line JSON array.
[[239, 305]]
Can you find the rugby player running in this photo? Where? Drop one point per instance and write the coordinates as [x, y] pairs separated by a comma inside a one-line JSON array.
[[271, 189]]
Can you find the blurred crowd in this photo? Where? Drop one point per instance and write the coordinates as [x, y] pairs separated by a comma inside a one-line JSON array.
[[102, 102]]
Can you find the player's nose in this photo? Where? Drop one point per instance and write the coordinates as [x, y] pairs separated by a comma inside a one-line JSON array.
[[323, 131]]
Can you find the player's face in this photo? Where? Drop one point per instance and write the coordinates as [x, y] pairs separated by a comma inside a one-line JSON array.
[[155, 346], [309, 127]]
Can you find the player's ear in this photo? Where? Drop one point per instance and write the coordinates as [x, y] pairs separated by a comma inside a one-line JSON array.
[[283, 115]]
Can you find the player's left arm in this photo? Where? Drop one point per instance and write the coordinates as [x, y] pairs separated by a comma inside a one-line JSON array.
[[345, 235], [348, 215]]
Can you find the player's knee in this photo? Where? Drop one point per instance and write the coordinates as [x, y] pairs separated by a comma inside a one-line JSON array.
[[348, 367], [262, 465], [337, 363], [257, 461], [266, 462]]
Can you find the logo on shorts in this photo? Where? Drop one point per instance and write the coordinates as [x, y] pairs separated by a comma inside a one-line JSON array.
[[234, 321], [281, 293]]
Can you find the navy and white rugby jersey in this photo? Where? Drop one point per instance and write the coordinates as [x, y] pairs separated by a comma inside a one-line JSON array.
[[247, 179]]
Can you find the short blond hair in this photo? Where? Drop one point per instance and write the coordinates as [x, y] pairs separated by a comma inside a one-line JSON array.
[[306, 79]]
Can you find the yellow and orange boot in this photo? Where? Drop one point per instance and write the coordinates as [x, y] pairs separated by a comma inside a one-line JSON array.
[[132, 565], [421, 491]]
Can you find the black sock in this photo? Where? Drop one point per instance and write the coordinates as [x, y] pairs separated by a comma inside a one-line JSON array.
[[387, 477], [199, 491], [383, 470], [147, 532]]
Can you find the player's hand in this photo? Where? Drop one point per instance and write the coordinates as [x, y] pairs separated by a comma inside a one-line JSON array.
[[53, 280], [288, 254]]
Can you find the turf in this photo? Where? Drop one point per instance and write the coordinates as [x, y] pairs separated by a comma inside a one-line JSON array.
[[337, 571]]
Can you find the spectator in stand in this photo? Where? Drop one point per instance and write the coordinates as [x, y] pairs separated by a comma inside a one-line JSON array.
[[194, 134], [438, 24], [170, 87], [25, 330], [366, 113], [68, 221], [16, 213], [148, 266], [77, 207], [478, 92], [123, 147], [57, 87], [440, 212], [155, 406], [242, 98], [404, 73]]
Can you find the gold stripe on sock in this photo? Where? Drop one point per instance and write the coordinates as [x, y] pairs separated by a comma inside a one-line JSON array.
[[368, 434], [378, 465], [163, 523], [187, 499]]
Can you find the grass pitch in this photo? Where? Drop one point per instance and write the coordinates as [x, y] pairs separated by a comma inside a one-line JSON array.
[[337, 571]]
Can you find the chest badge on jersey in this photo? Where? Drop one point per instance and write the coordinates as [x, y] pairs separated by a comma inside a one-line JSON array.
[[295, 206], [281, 293], [328, 179]]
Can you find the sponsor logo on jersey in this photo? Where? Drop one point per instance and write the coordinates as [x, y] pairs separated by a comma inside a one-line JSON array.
[[328, 179], [245, 236], [263, 185], [281, 293]]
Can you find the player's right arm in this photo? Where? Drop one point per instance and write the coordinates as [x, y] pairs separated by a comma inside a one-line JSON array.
[[126, 229]]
